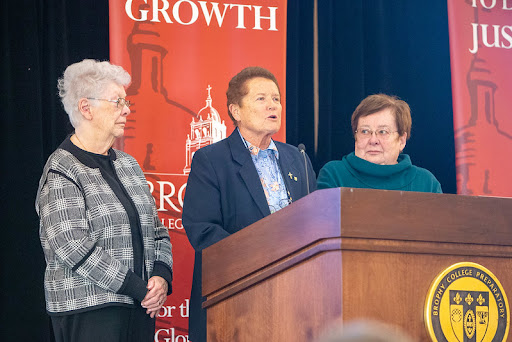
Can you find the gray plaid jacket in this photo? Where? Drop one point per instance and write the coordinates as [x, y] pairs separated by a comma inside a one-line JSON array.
[[85, 232]]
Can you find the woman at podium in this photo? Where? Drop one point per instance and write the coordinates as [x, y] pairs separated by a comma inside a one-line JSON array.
[[381, 125], [243, 178]]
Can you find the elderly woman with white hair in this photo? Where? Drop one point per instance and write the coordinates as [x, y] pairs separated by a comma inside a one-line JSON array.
[[108, 256]]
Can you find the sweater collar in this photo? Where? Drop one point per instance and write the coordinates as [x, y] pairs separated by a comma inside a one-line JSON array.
[[85, 157], [381, 176]]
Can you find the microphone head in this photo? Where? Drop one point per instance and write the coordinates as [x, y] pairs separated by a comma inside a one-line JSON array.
[[302, 148]]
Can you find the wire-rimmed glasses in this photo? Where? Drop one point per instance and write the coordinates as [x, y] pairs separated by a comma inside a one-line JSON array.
[[120, 102]]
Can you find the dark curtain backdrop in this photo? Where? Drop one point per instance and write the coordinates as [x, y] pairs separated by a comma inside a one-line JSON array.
[[299, 75], [398, 47], [39, 39]]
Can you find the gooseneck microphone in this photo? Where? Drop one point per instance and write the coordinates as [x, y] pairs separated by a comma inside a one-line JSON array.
[[302, 150]]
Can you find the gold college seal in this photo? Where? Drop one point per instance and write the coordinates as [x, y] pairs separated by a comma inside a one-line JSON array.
[[466, 303]]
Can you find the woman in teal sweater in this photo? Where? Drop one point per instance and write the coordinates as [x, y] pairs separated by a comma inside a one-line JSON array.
[[381, 126]]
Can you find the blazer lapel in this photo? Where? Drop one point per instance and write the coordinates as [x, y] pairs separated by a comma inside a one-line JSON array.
[[290, 168], [248, 172]]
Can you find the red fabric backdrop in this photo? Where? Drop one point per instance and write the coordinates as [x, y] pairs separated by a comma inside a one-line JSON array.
[[481, 53], [181, 55]]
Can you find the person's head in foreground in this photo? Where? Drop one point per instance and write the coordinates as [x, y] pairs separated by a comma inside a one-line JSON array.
[[364, 331]]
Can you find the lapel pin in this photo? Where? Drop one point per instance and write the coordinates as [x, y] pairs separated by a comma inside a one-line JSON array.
[[290, 175], [295, 178]]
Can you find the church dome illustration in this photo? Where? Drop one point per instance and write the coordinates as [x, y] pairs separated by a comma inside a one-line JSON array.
[[206, 130], [208, 111]]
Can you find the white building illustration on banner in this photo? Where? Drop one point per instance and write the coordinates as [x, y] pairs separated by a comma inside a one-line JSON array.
[[204, 132]]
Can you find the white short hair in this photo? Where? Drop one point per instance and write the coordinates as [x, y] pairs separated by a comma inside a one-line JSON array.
[[87, 78]]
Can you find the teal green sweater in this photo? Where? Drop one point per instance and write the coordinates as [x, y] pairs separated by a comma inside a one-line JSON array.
[[354, 172]]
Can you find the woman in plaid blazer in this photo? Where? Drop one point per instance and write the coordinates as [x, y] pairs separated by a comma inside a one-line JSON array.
[[108, 256]]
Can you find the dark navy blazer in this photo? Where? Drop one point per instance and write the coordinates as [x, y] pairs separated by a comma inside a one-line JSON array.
[[224, 194]]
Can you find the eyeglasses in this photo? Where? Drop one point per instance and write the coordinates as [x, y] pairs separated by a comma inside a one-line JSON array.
[[120, 102], [382, 134]]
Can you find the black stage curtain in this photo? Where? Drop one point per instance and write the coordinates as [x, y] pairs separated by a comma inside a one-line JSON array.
[[39, 39], [398, 47], [299, 75]]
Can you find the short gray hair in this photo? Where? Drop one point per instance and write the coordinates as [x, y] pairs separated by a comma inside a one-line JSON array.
[[87, 78]]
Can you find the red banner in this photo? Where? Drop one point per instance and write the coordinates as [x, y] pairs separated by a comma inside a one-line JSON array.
[[481, 52], [181, 55]]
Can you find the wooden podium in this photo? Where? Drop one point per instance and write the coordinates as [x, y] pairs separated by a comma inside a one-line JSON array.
[[348, 253]]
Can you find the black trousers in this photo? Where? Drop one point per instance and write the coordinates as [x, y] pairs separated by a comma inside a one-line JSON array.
[[112, 324]]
